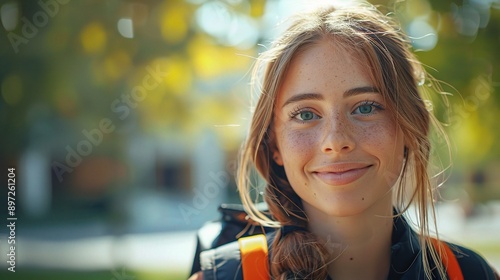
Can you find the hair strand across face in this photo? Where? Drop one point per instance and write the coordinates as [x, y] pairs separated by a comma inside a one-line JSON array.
[[396, 73]]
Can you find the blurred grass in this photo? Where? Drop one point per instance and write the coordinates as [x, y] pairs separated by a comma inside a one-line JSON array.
[[488, 249], [42, 274]]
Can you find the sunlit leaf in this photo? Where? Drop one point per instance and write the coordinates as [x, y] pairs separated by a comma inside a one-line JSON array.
[[257, 8], [210, 60], [93, 38], [174, 21]]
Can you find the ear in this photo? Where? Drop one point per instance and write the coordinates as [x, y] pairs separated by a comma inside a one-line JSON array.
[[277, 157]]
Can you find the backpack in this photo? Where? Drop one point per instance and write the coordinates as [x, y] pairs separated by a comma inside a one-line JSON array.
[[235, 225], [232, 225]]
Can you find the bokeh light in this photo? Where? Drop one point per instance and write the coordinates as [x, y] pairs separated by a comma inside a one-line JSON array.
[[124, 120]]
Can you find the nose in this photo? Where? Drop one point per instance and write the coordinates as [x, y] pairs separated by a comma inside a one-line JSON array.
[[338, 136]]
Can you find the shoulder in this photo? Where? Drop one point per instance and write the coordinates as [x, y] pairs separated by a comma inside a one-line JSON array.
[[473, 266], [224, 262]]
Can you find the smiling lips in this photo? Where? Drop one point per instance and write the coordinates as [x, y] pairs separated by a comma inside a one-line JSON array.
[[341, 173]]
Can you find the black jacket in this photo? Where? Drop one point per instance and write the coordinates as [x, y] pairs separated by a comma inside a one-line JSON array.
[[223, 263]]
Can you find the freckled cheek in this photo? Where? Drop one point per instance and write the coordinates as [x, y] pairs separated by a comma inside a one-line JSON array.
[[296, 144], [374, 135], [383, 141]]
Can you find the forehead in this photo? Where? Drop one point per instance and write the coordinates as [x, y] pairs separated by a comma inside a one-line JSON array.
[[325, 67]]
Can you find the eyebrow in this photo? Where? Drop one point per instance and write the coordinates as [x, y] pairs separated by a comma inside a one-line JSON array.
[[360, 90], [317, 96], [303, 96]]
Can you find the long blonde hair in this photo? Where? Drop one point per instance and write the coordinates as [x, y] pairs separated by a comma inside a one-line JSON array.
[[398, 75]]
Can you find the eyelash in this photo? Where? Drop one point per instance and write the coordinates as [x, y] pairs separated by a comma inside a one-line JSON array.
[[295, 112], [377, 106]]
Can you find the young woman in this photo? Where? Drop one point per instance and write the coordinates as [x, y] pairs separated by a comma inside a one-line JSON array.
[[340, 135]]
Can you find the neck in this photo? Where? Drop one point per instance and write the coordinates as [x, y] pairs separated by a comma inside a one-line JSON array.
[[360, 244]]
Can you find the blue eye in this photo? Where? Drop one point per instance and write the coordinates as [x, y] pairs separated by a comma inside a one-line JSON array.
[[367, 108], [304, 115]]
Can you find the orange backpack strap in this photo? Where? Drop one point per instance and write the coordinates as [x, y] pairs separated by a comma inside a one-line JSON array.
[[254, 260], [255, 266], [448, 259]]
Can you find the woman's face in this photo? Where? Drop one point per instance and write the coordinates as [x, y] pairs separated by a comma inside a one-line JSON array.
[[341, 149]]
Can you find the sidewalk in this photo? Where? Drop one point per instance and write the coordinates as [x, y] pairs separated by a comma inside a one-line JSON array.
[[151, 251]]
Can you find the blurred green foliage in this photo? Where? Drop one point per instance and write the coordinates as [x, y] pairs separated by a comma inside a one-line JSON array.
[[67, 65]]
